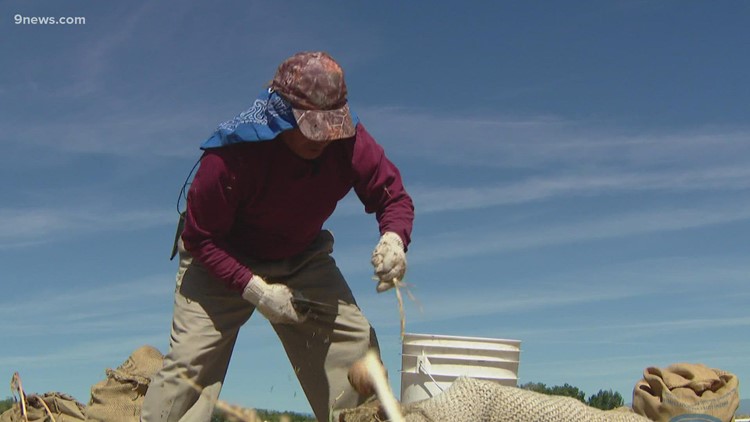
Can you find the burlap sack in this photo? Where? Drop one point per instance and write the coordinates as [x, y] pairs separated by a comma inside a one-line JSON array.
[[63, 408], [683, 389], [470, 399], [120, 396]]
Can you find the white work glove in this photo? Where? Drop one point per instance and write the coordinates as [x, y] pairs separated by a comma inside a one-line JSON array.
[[389, 261], [274, 301]]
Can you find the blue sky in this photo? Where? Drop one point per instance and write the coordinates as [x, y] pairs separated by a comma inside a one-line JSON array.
[[580, 172]]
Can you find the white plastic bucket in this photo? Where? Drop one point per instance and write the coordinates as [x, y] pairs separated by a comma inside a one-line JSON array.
[[430, 363]]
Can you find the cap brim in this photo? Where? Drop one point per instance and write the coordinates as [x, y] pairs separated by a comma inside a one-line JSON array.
[[325, 125]]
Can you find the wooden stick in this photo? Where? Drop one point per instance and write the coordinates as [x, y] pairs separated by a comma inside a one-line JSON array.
[[382, 388]]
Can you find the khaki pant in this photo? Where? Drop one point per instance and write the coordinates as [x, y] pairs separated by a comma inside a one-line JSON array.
[[208, 316]]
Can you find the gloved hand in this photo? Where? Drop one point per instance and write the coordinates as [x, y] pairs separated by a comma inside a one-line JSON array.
[[389, 261], [274, 301]]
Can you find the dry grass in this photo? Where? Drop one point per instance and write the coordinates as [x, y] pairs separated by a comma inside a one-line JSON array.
[[402, 314], [17, 387], [398, 285]]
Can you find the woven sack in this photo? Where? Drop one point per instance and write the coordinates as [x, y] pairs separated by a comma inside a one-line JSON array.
[[469, 399], [683, 391], [120, 396], [63, 408]]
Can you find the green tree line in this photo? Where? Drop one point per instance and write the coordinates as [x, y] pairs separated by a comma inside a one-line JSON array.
[[6, 404], [604, 399], [268, 415]]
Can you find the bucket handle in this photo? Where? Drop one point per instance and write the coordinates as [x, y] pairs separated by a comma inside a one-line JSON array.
[[423, 366]]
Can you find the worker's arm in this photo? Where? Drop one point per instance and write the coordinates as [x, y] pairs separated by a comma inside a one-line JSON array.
[[213, 201], [379, 186]]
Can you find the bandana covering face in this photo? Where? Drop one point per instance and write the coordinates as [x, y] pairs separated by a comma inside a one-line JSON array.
[[269, 115]]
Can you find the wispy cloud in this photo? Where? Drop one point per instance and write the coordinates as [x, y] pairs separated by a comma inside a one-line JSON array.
[[111, 349], [630, 333], [621, 371], [132, 134], [509, 301], [92, 66], [22, 227], [480, 301], [492, 240], [88, 310], [438, 199], [660, 327], [86, 326], [476, 297], [92, 297], [482, 139]]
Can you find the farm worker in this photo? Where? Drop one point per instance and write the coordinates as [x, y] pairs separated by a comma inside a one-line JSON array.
[[253, 239]]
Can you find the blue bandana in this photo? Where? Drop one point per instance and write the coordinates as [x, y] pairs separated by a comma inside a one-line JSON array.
[[269, 115]]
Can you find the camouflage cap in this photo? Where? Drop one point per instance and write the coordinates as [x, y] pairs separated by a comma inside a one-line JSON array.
[[314, 84]]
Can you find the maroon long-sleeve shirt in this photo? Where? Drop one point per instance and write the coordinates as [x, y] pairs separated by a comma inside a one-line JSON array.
[[260, 200]]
